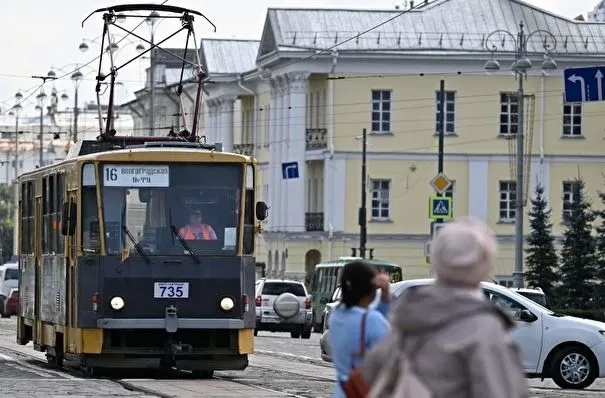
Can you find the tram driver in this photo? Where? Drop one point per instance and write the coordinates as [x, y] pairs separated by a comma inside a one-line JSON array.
[[196, 230]]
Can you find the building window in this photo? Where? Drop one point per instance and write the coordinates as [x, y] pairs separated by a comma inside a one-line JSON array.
[[506, 281], [508, 198], [381, 190], [381, 111], [450, 111], [570, 194], [509, 113], [572, 120]]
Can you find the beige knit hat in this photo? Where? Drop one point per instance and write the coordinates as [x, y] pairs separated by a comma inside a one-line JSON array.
[[463, 252]]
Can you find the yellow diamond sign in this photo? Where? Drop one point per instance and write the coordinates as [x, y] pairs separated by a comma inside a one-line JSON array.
[[440, 183]]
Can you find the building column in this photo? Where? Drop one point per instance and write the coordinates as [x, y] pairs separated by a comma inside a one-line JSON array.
[[226, 120], [295, 140], [210, 120], [280, 222], [284, 142], [274, 167]]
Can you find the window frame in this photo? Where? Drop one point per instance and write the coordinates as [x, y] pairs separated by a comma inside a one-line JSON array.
[[511, 208], [572, 107], [512, 100], [381, 101], [568, 202], [447, 112], [380, 207]]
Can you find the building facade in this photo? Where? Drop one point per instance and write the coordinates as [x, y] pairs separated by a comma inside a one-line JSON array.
[[298, 103]]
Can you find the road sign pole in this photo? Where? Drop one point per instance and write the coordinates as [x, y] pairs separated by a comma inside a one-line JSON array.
[[362, 210], [441, 124]]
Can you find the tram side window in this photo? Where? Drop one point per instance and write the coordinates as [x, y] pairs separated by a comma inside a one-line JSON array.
[[27, 217], [58, 203], [90, 218], [49, 228]]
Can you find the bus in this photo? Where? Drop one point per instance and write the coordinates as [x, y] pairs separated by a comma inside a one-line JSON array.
[[325, 282], [108, 277]]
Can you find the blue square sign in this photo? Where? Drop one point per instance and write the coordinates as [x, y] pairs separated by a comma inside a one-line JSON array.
[[440, 208], [289, 170]]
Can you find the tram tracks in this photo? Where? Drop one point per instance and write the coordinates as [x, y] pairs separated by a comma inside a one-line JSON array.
[[35, 362]]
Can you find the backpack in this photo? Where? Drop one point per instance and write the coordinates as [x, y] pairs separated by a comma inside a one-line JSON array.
[[403, 382], [399, 379]]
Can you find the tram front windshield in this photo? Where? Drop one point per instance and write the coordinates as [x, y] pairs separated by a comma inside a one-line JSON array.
[[171, 209]]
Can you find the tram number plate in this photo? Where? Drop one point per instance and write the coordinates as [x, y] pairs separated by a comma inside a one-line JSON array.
[[170, 290]]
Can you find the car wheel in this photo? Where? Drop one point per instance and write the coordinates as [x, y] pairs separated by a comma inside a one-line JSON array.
[[573, 368], [306, 334], [295, 335]]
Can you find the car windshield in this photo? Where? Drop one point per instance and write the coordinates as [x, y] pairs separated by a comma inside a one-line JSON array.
[[171, 209], [277, 288], [11, 274]]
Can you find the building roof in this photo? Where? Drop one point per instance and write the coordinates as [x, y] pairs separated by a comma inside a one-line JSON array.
[[228, 56], [441, 26]]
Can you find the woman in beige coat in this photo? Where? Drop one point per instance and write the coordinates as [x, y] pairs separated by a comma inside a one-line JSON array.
[[459, 343]]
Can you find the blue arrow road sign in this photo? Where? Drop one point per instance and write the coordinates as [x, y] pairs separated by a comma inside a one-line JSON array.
[[289, 170], [584, 84], [440, 207]]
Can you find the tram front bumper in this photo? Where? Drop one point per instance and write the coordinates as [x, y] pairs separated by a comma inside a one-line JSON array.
[[164, 323]]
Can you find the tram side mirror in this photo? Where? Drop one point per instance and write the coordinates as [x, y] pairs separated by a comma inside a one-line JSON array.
[[262, 211], [68, 220]]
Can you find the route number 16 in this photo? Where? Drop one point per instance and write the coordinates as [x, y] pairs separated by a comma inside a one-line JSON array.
[[112, 174]]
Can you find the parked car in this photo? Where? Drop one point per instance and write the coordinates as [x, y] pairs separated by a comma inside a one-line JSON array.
[[567, 349], [283, 306], [11, 303], [9, 280]]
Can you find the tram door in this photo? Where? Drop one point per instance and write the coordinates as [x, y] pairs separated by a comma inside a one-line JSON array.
[[37, 329]]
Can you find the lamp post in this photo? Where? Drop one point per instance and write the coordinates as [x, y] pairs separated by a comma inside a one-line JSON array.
[[151, 22], [41, 97], [17, 110], [520, 67], [76, 77]]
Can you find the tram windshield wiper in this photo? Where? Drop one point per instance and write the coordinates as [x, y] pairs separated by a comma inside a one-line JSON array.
[[136, 244], [183, 242]]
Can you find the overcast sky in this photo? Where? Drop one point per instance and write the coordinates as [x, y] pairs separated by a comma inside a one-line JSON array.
[[38, 34]]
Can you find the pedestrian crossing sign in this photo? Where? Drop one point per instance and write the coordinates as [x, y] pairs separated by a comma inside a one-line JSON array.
[[440, 208]]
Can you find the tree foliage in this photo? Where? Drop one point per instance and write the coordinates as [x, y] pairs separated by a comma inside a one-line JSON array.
[[541, 261], [578, 254], [600, 261], [6, 221]]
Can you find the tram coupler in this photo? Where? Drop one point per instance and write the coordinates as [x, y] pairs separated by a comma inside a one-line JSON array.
[[171, 319]]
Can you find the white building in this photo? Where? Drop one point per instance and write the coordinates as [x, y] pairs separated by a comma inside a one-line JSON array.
[[598, 13]]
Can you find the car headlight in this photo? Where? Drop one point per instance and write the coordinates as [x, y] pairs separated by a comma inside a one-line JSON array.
[[227, 303], [117, 303]]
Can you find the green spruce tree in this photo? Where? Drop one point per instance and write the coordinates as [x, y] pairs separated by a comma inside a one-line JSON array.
[[541, 261], [578, 255]]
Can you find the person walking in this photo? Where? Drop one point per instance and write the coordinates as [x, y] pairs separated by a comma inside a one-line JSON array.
[[454, 340], [353, 327]]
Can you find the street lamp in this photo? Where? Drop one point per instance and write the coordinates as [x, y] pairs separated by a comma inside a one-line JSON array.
[[16, 111], [520, 67], [41, 97], [151, 22]]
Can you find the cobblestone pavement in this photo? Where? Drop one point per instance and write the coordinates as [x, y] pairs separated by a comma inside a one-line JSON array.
[[282, 367]]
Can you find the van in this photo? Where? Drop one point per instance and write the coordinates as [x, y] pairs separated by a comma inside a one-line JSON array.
[[9, 280]]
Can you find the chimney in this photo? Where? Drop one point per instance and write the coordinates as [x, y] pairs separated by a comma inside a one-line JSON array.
[[412, 4]]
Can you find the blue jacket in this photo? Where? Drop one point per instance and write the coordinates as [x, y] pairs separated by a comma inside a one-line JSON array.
[[344, 324]]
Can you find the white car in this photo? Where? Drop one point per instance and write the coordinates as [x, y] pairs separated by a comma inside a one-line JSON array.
[[567, 349]]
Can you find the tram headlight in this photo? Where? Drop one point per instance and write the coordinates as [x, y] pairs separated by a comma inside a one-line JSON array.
[[117, 303], [227, 303]]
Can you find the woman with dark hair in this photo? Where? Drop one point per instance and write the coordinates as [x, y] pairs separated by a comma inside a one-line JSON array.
[[358, 283]]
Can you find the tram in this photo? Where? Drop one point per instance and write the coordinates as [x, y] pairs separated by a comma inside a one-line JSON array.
[[138, 252]]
